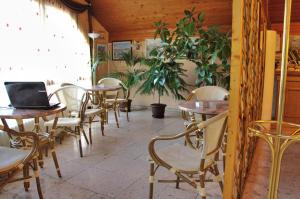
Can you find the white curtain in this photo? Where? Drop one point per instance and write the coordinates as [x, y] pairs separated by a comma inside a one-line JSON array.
[[39, 44]]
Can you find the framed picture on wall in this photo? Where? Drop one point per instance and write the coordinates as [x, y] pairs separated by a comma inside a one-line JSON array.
[[101, 50], [120, 47], [150, 44]]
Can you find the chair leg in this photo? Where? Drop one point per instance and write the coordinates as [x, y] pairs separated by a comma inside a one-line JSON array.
[[53, 153], [218, 176], [106, 116], [116, 117], [151, 180], [202, 186], [177, 182], [102, 123], [127, 115], [40, 160], [90, 129], [84, 135], [46, 151], [26, 175], [37, 178], [79, 140]]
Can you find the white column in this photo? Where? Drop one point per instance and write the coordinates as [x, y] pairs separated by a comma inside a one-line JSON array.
[[269, 75]]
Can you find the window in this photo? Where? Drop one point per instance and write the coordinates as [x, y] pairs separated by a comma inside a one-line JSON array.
[[40, 44]]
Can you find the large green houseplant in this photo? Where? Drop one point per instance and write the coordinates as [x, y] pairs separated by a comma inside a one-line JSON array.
[[164, 74], [130, 77]]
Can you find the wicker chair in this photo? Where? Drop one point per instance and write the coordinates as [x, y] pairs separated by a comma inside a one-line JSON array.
[[75, 98], [91, 112], [188, 163], [112, 99], [202, 94], [13, 160]]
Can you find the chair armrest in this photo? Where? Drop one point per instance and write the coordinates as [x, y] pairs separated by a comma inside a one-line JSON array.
[[151, 146], [34, 137]]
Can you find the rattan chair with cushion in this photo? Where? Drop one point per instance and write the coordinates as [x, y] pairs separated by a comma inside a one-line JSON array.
[[75, 98], [202, 94], [114, 98], [13, 160], [92, 111], [188, 163]]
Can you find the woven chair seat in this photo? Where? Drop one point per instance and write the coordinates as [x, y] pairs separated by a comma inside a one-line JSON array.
[[182, 157], [64, 122], [118, 100], [10, 158], [93, 111]]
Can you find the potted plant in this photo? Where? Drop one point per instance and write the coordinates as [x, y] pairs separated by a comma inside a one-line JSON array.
[[164, 75], [130, 77]]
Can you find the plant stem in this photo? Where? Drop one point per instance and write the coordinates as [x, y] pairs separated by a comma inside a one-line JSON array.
[[158, 98]]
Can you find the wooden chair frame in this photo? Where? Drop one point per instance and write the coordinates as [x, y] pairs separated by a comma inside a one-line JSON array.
[[31, 160], [184, 175]]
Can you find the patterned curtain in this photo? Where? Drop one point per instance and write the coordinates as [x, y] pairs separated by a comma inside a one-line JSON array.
[[41, 42]]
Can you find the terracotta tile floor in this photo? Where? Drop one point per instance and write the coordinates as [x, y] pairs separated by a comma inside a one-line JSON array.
[[114, 166], [258, 179]]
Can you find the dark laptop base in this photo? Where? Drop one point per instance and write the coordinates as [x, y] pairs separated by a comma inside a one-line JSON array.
[[51, 106]]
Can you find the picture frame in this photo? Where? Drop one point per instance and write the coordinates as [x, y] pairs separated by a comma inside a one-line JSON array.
[[150, 44], [101, 50], [120, 47]]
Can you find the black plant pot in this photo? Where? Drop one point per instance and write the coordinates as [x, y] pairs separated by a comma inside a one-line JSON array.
[[127, 104], [158, 110]]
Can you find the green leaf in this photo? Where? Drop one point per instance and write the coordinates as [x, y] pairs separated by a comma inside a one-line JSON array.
[[201, 16], [188, 13]]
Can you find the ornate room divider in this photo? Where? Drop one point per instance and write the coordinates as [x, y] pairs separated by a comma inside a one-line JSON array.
[[249, 25]]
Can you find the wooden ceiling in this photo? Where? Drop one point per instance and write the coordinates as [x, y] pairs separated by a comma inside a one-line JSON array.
[[129, 18], [133, 19]]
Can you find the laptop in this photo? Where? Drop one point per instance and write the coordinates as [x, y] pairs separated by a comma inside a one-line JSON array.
[[28, 95]]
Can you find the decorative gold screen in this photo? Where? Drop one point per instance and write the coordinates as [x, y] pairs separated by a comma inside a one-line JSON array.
[[246, 92]]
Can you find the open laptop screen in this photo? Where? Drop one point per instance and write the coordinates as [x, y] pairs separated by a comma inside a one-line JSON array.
[[27, 94]]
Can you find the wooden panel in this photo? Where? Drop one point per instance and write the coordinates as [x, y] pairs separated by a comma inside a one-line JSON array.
[[140, 35], [119, 16], [276, 8], [246, 90], [295, 28], [292, 96]]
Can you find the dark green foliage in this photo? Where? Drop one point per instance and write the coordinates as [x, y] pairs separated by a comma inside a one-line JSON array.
[[164, 75], [163, 78], [208, 48]]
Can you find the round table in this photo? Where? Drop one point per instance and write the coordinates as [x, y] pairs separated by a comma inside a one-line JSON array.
[[99, 97], [209, 107], [205, 108]]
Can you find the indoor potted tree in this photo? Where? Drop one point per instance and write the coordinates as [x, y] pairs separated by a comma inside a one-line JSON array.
[[130, 77], [164, 75]]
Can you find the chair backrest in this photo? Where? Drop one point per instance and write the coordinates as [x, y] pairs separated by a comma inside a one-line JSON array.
[[109, 81], [210, 93], [74, 97], [213, 132], [66, 84]]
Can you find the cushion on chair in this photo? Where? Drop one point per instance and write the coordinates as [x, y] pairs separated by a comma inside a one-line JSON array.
[[182, 157], [10, 158], [93, 111], [64, 122], [113, 100]]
